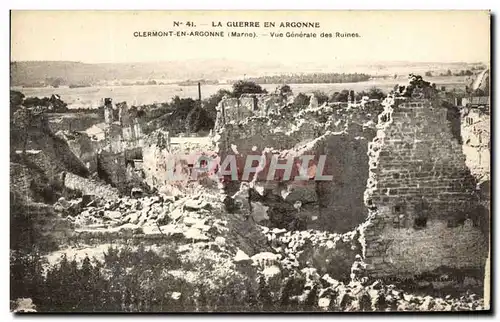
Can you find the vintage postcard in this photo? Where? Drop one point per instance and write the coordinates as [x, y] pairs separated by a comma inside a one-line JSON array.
[[249, 161]]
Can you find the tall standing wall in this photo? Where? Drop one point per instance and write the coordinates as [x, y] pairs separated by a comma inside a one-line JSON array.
[[423, 208]]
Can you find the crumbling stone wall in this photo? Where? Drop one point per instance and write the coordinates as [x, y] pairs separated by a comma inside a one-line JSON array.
[[21, 179], [168, 163], [237, 109], [122, 138], [255, 132], [341, 200], [112, 168], [155, 156], [83, 147], [124, 130], [420, 193], [72, 121], [122, 143], [475, 129], [232, 109], [335, 205]]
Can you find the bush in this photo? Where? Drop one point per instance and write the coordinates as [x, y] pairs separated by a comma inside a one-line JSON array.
[[211, 103], [199, 120], [16, 100], [342, 96], [321, 96], [125, 280], [372, 93], [312, 78], [285, 90], [247, 87]]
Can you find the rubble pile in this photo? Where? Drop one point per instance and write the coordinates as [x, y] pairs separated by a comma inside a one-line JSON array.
[[302, 282], [328, 252], [361, 295], [206, 240], [197, 220]]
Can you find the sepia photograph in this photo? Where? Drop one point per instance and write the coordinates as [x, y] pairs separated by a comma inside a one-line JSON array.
[[250, 161]]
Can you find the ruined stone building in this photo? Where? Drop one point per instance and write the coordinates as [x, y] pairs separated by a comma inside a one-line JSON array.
[[424, 211], [123, 132], [237, 109], [117, 138], [155, 154], [121, 145], [169, 161], [341, 135], [475, 129]]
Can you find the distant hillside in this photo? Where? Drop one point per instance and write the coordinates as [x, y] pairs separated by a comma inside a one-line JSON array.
[[77, 74], [34, 73]]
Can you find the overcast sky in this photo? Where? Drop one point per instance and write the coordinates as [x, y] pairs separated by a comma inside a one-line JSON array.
[[95, 37]]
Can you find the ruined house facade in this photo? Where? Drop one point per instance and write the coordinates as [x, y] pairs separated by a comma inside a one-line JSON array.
[[155, 158], [168, 162], [475, 129], [123, 141], [124, 132], [237, 109], [424, 211], [335, 205]]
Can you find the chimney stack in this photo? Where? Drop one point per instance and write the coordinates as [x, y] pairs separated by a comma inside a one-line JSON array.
[[199, 93]]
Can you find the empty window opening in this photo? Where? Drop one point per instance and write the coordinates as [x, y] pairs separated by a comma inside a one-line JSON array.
[[255, 104], [461, 221], [420, 223]]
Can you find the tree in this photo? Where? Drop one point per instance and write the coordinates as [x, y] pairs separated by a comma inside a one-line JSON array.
[[211, 103], [312, 78], [376, 93], [199, 120], [343, 96], [285, 90], [428, 74], [22, 119], [182, 106], [16, 100], [247, 87], [448, 73], [301, 101]]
